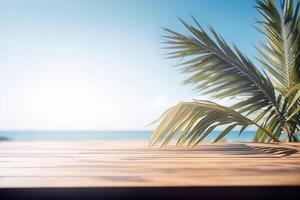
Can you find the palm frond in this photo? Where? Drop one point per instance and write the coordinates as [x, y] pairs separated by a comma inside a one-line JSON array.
[[294, 96], [280, 55], [193, 121], [292, 108], [281, 58], [270, 124], [217, 69]]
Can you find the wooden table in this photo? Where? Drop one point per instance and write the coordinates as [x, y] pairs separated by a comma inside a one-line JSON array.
[[134, 164]]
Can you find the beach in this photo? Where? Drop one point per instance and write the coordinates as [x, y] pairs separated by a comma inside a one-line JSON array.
[[132, 163]]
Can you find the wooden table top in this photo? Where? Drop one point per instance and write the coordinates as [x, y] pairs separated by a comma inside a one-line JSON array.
[[134, 163]]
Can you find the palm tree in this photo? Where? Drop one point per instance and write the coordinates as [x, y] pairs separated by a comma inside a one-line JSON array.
[[267, 96]]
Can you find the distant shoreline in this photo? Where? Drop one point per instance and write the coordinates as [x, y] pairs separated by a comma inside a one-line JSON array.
[[78, 135]]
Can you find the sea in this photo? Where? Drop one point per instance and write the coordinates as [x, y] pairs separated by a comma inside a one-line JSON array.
[[233, 136]]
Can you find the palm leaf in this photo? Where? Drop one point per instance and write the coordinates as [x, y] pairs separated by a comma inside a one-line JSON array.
[[279, 56], [193, 121], [219, 70]]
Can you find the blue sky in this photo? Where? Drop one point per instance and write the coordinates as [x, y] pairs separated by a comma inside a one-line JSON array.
[[86, 64]]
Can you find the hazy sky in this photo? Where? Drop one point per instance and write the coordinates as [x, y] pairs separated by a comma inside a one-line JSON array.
[[98, 64]]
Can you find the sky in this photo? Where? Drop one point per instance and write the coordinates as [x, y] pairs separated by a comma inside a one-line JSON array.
[[99, 65]]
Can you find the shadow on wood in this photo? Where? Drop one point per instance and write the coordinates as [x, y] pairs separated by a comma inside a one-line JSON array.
[[281, 151]]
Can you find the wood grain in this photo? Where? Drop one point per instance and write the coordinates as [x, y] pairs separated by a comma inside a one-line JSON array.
[[134, 163]]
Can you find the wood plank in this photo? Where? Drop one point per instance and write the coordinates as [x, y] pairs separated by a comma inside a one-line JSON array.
[[134, 163]]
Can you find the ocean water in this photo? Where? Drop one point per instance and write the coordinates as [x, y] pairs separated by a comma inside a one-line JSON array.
[[246, 136]]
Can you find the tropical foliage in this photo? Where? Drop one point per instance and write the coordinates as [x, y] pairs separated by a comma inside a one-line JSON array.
[[267, 94]]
